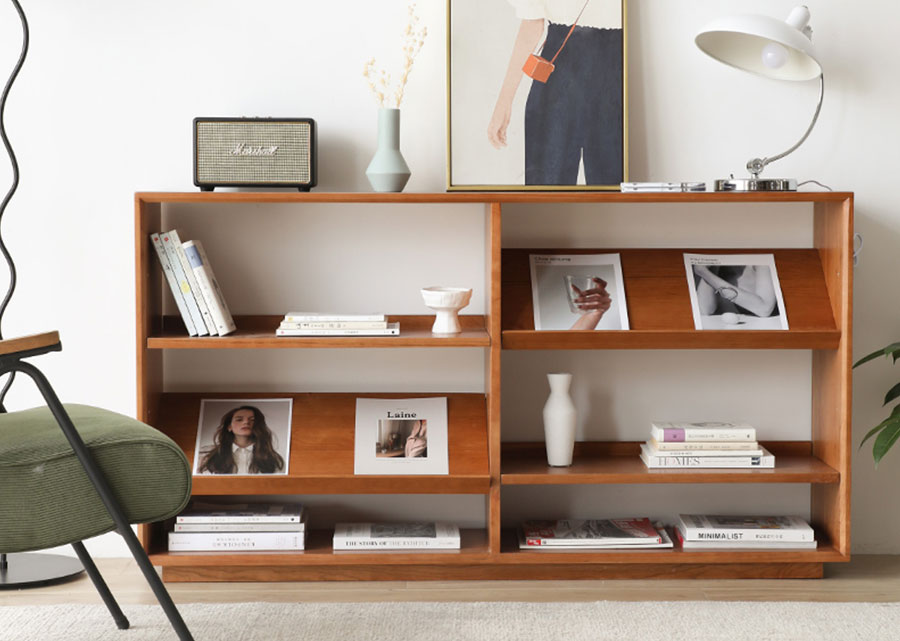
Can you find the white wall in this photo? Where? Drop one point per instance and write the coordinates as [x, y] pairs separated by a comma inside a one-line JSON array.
[[104, 105]]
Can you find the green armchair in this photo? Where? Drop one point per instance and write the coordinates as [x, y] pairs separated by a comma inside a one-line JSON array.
[[71, 472]]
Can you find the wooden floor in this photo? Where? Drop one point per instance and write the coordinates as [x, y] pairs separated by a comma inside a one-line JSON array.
[[865, 578]]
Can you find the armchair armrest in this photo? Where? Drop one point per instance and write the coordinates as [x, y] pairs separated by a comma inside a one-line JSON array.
[[31, 345]]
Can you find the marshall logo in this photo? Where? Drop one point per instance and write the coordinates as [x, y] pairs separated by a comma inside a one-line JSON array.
[[243, 149]]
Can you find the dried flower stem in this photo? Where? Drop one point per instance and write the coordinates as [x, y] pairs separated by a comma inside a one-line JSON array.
[[379, 81]]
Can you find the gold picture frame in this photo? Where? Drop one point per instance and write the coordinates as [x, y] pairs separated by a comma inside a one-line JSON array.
[[486, 41]]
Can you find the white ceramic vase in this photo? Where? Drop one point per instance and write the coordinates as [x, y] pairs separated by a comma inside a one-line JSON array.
[[559, 421], [388, 170]]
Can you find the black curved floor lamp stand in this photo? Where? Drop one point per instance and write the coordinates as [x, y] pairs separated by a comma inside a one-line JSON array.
[[26, 569]]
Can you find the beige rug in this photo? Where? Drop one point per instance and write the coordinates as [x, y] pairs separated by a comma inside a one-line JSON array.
[[599, 621]]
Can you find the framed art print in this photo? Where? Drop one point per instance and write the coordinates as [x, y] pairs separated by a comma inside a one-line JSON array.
[[537, 95]]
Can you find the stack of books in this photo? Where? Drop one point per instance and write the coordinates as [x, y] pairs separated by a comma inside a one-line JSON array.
[[629, 533], [194, 286], [710, 532], [239, 528], [396, 536], [704, 445], [326, 324]]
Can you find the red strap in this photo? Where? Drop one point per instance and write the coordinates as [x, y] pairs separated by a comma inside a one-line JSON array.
[[571, 29]]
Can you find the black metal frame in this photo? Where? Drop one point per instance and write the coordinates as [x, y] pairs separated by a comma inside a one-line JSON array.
[[10, 363]]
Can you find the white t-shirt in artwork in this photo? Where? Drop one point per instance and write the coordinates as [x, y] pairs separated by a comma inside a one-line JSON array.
[[602, 14], [242, 457]]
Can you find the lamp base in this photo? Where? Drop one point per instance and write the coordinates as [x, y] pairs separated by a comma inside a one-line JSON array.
[[756, 184]]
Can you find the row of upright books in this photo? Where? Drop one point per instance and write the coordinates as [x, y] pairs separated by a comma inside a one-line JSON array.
[[333, 324], [704, 445], [194, 286], [692, 531], [264, 527]]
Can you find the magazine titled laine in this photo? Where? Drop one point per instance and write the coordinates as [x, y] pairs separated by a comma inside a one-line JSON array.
[[578, 291], [735, 291], [243, 436], [401, 436]]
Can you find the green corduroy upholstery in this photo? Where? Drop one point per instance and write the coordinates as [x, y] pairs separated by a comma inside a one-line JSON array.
[[46, 498]]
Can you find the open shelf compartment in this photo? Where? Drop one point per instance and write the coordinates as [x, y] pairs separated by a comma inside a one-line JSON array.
[[321, 457], [659, 309], [607, 462]]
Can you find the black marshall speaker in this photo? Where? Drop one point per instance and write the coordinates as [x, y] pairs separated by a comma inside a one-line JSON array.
[[254, 152]]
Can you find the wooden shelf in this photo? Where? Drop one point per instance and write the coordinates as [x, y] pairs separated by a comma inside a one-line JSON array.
[[321, 458], [619, 463], [816, 283], [659, 308], [511, 553], [473, 548], [533, 196], [258, 332]]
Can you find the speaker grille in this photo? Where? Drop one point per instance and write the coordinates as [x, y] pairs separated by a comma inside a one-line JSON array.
[[253, 152]]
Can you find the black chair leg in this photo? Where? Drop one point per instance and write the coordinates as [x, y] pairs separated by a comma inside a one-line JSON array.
[[100, 584], [109, 501], [156, 584]]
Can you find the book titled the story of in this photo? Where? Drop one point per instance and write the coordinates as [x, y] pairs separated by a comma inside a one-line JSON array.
[[710, 527], [396, 536]]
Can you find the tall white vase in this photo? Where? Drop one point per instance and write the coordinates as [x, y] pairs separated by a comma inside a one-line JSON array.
[[559, 421]]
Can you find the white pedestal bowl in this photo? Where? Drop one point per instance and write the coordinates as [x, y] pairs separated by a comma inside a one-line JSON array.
[[446, 302]]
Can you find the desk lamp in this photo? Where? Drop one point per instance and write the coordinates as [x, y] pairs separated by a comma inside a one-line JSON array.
[[768, 47]]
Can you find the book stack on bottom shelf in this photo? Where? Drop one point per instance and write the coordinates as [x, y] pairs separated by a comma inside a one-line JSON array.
[[716, 532], [704, 445], [396, 536], [239, 528], [327, 324], [595, 534]]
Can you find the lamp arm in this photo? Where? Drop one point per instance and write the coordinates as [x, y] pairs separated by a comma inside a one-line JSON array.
[[756, 165]]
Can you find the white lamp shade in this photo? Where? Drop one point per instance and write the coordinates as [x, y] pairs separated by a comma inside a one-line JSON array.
[[739, 41]]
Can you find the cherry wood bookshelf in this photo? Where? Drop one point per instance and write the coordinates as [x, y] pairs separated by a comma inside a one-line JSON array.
[[817, 287]]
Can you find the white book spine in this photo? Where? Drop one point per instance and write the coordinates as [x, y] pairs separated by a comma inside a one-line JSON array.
[[173, 283], [240, 527], [797, 530], [688, 434], [206, 518], [209, 287], [183, 285], [334, 325], [706, 446], [767, 460], [192, 282], [235, 541], [393, 329], [302, 317], [653, 451], [442, 543]]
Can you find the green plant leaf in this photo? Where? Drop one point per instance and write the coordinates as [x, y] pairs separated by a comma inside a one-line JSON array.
[[894, 416], [891, 350], [885, 440], [893, 393]]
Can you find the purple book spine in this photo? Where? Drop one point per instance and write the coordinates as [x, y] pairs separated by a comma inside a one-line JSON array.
[[673, 435]]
